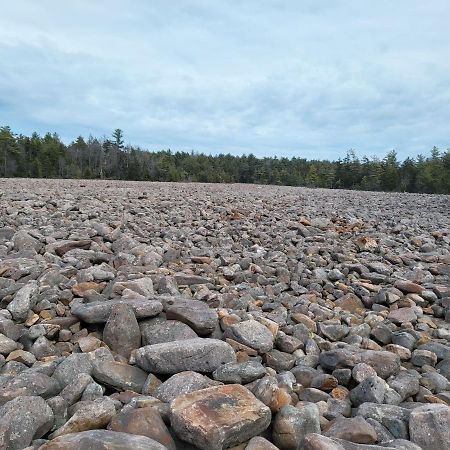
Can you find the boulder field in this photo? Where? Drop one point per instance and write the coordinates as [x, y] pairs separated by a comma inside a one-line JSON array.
[[163, 316]]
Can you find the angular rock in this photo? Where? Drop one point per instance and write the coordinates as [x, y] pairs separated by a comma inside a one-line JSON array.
[[88, 416], [292, 425], [72, 366], [143, 422], [429, 426], [402, 315], [180, 384], [371, 390], [156, 331], [200, 355], [22, 420], [202, 319], [354, 429], [121, 333], [350, 302], [253, 334], [7, 345], [119, 376], [23, 301], [219, 417]]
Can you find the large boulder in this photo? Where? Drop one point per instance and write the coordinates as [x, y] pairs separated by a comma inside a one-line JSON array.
[[429, 426], [200, 355], [102, 440], [121, 332], [219, 417], [22, 420]]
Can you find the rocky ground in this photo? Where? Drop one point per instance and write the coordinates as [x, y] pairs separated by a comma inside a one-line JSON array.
[[188, 316]]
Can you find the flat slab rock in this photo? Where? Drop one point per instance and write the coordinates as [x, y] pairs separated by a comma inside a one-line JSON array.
[[98, 312], [219, 417], [199, 355]]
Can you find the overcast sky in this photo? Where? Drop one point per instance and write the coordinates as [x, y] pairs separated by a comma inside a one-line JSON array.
[[290, 78]]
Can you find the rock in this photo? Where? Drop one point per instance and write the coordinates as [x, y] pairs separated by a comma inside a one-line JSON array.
[[253, 334], [350, 302], [366, 244], [22, 420], [381, 412], [292, 425], [334, 332], [279, 361], [180, 384], [63, 246], [121, 333], [202, 319], [7, 345], [259, 443], [406, 384], [354, 429], [73, 391], [428, 426], [239, 373], [402, 315], [371, 389], [423, 357], [143, 422], [29, 383], [89, 344], [156, 331], [98, 312], [119, 376], [408, 287], [201, 355], [442, 351], [23, 301], [102, 440], [384, 363], [73, 365], [219, 417], [88, 416]]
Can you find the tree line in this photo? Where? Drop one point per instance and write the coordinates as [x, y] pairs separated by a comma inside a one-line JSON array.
[[109, 158]]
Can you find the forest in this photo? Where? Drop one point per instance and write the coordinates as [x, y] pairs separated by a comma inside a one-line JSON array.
[[47, 156]]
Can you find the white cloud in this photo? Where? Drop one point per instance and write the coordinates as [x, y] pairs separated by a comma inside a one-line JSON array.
[[295, 78]]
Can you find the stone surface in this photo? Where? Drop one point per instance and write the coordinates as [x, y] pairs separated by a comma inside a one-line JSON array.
[[121, 332], [102, 440], [22, 420], [253, 334], [292, 425], [201, 355], [143, 422], [180, 384], [354, 429], [429, 426], [196, 314], [157, 331], [219, 417], [88, 416], [120, 376]]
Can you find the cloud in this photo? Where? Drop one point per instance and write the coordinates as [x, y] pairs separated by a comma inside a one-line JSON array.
[[309, 79]]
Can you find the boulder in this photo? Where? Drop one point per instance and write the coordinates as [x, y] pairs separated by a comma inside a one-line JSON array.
[[200, 355], [219, 417]]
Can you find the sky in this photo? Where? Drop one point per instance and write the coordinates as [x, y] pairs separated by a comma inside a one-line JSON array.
[[303, 78]]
